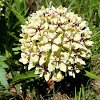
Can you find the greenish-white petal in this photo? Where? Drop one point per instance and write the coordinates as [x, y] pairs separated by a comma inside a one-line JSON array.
[[31, 65], [62, 66], [51, 66]]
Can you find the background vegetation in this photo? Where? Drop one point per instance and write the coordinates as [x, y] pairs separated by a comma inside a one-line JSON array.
[[17, 83]]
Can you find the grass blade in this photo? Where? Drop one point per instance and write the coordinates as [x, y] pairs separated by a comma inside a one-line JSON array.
[[95, 36], [21, 18], [75, 94], [68, 97], [83, 94], [79, 97], [95, 57], [70, 5], [88, 74], [17, 14]]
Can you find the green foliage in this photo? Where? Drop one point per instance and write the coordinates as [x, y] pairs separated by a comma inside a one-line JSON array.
[[3, 73], [95, 57], [24, 76], [3, 79], [88, 74], [21, 18], [2, 62]]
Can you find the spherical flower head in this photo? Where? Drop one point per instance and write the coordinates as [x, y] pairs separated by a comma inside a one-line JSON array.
[[57, 41]]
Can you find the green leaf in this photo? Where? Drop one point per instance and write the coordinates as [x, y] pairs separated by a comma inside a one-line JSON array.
[[18, 5], [21, 18], [2, 58], [79, 97], [95, 57], [16, 49], [75, 94], [99, 11], [17, 14], [83, 92], [14, 36], [95, 71], [70, 5], [95, 36], [3, 80], [16, 53], [3, 64], [88, 74], [96, 29], [26, 75]]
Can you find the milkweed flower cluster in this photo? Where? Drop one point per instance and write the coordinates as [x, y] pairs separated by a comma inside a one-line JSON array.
[[55, 42], [1, 8]]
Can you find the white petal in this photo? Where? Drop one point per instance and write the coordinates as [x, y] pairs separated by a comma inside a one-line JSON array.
[[77, 37], [34, 58], [39, 70], [47, 76], [45, 47], [51, 66], [52, 27], [58, 77], [42, 60], [59, 30], [70, 73], [63, 19], [44, 39], [71, 60], [64, 56], [55, 48], [89, 43], [82, 24], [23, 60], [58, 40], [62, 67], [76, 45], [79, 60], [31, 65], [51, 34]]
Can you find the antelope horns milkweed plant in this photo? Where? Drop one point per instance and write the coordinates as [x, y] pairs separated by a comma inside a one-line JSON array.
[[57, 41]]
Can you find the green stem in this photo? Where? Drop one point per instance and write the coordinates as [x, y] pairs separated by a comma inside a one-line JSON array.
[[7, 53]]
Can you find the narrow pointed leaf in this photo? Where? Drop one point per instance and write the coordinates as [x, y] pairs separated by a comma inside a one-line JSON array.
[[95, 57], [3, 80], [93, 76], [95, 36], [99, 10], [16, 13], [26, 75]]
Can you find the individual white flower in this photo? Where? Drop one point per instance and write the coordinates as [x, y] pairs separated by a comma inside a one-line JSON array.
[[57, 76], [89, 43], [24, 58], [31, 65], [39, 71], [71, 73], [57, 41]]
